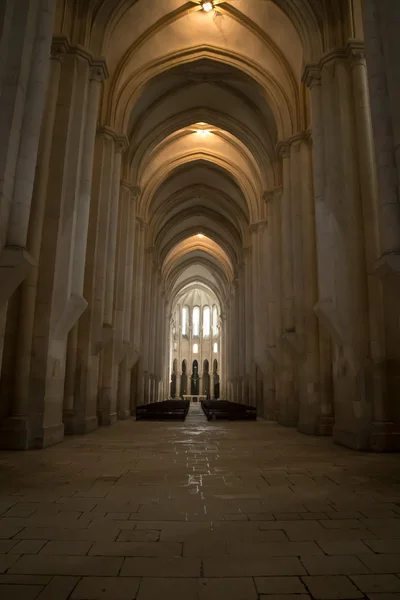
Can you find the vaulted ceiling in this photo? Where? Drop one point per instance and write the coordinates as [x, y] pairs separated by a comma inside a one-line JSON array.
[[203, 97]]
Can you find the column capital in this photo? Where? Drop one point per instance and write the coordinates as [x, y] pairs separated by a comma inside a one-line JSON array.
[[311, 75], [282, 149], [81, 52], [134, 190], [355, 53], [142, 224], [270, 195], [121, 143], [59, 47], [98, 70], [258, 226]]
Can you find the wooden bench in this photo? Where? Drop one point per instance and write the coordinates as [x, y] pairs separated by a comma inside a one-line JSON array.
[[232, 411], [167, 409]]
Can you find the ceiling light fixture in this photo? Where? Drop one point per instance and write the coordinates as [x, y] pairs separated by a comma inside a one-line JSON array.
[[207, 6], [202, 132]]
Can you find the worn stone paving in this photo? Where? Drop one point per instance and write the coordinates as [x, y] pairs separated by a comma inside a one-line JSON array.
[[198, 510]]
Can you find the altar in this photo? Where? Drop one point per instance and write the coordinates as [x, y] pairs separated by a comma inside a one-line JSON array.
[[194, 397]]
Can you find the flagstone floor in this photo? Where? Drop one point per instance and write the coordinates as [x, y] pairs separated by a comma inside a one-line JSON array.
[[199, 511]]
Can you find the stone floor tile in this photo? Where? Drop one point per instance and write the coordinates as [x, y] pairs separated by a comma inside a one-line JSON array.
[[279, 585], [334, 565], [285, 597], [6, 545], [106, 588], [28, 547], [161, 567], [347, 548], [139, 535], [342, 524], [383, 596], [136, 549], [168, 589], [381, 563], [8, 531], [273, 549], [40, 564], [25, 579], [252, 566], [308, 516], [236, 588], [7, 560], [332, 587], [67, 548], [55, 534], [205, 548], [59, 588], [377, 583], [384, 546], [19, 592]]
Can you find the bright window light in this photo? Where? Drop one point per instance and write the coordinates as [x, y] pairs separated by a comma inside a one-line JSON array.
[[206, 321], [196, 320], [215, 321], [215, 347], [185, 319], [195, 348]]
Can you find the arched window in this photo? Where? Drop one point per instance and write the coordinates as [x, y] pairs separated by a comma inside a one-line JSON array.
[[215, 321], [196, 321], [206, 321], [215, 347], [185, 320], [195, 348]]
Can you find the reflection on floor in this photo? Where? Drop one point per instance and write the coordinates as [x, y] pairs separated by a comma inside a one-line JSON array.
[[198, 510]]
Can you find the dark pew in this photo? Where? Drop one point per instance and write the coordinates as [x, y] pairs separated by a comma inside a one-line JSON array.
[[223, 409], [167, 409]]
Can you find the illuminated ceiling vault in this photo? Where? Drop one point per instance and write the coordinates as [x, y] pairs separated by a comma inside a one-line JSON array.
[[203, 91]]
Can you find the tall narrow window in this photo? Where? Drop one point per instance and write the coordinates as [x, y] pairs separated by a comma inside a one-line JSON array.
[[206, 321], [185, 320], [196, 321], [215, 347], [195, 348], [215, 321]]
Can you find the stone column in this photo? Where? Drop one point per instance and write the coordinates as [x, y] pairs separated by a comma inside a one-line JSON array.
[[324, 308], [107, 409], [124, 391], [288, 404], [23, 85], [17, 427], [92, 336], [381, 38], [77, 303]]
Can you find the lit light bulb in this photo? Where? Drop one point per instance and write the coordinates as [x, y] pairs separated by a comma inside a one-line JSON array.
[[207, 6]]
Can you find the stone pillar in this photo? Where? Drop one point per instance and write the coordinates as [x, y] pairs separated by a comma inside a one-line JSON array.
[[92, 336], [382, 50], [17, 427], [107, 408], [324, 307], [24, 74], [124, 391], [288, 403], [77, 303]]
